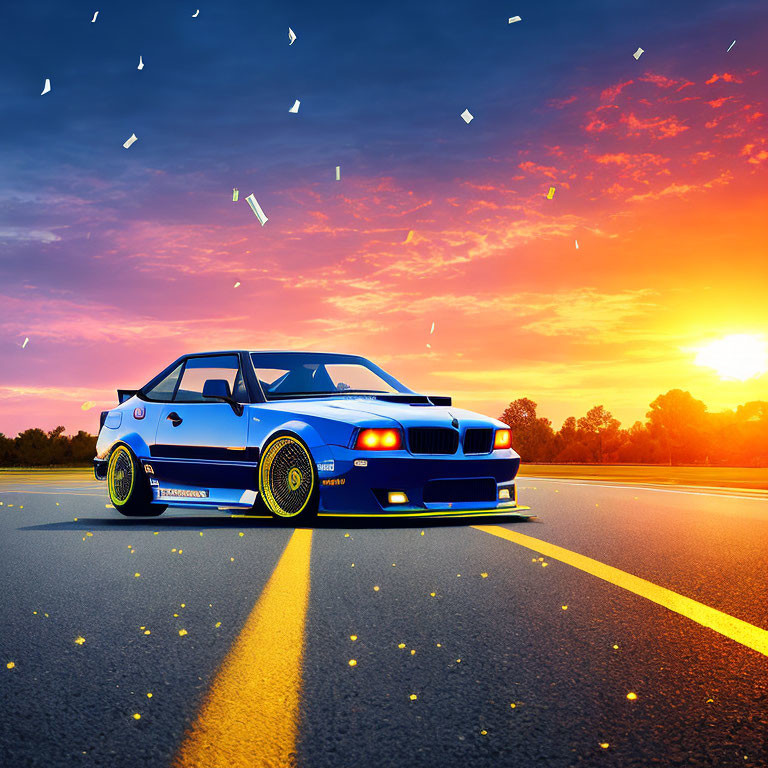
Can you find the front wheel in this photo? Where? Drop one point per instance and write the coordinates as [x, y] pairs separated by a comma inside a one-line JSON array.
[[128, 488], [287, 478]]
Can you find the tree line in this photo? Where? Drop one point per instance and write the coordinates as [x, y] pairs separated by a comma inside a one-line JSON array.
[[38, 448], [678, 430]]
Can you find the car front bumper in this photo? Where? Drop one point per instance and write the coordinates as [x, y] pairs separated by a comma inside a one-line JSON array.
[[357, 483]]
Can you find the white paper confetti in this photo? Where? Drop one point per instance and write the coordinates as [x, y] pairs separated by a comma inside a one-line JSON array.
[[638, 53], [295, 108], [338, 173], [514, 19], [237, 285], [235, 194], [141, 63], [26, 341], [577, 244], [47, 86], [291, 36], [256, 208], [196, 14], [467, 116], [130, 141], [731, 46], [432, 329], [94, 17]]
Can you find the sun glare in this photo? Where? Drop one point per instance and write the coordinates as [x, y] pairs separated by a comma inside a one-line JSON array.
[[740, 356]]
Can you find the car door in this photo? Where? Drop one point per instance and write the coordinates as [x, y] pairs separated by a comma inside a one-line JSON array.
[[201, 444]]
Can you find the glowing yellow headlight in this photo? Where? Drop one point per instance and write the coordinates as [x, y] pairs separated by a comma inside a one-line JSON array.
[[397, 497]]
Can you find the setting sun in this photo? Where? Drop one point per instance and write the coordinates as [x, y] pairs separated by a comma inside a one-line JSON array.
[[739, 356]]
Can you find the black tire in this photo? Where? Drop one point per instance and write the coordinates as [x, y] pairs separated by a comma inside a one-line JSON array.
[[127, 485], [287, 479]]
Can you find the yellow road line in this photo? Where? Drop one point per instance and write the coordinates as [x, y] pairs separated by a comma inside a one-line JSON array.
[[250, 715], [741, 631]]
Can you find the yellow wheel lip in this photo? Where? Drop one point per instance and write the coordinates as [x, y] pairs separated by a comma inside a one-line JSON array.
[[111, 475], [266, 493]]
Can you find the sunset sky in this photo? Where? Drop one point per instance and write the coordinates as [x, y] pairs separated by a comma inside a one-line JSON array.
[[115, 261]]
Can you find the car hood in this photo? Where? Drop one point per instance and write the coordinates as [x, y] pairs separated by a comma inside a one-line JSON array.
[[353, 410]]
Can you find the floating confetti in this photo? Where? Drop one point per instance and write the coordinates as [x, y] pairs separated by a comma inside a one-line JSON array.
[[346, 535], [47, 86], [141, 63], [432, 329], [413, 652], [467, 116], [10, 665], [577, 244], [127, 143], [237, 285], [564, 607], [201, 533], [147, 632], [87, 405], [375, 589], [731, 46], [182, 632], [231, 559], [26, 341], [484, 575], [422, 533], [551, 193], [604, 744], [338, 173], [414, 697], [235, 194], [353, 638], [615, 647], [136, 716], [79, 640], [295, 108], [196, 14], [218, 624], [291, 36], [149, 695], [513, 705], [409, 236], [136, 575], [256, 208], [631, 696], [638, 53], [241, 534], [429, 345], [432, 594], [401, 645], [544, 565], [514, 19], [484, 733], [352, 663], [94, 17]]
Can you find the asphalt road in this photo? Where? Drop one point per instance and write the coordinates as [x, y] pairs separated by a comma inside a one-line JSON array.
[[464, 625]]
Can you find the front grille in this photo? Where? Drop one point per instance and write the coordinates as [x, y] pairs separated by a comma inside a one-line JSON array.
[[433, 440], [478, 440], [467, 489]]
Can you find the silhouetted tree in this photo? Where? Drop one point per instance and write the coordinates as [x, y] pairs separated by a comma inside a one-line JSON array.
[[533, 437], [678, 421]]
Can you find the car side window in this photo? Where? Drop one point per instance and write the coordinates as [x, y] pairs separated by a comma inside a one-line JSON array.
[[163, 391], [199, 369]]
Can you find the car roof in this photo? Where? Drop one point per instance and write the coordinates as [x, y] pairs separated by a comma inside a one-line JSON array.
[[268, 352]]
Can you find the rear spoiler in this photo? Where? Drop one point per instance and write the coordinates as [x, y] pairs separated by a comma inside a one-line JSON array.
[[125, 394]]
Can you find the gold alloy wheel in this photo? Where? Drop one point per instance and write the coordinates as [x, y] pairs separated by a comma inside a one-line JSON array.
[[121, 475], [286, 477]]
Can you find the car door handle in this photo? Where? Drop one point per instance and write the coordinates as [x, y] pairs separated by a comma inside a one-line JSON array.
[[174, 418]]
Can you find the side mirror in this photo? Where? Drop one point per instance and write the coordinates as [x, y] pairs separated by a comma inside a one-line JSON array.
[[218, 389]]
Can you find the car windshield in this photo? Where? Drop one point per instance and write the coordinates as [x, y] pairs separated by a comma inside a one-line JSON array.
[[307, 374]]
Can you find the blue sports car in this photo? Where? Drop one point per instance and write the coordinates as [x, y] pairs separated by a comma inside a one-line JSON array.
[[291, 434]]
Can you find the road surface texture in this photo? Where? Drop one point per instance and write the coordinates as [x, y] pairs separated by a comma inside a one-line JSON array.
[[625, 626]]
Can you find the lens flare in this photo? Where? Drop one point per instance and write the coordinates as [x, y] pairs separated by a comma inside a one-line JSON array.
[[738, 357]]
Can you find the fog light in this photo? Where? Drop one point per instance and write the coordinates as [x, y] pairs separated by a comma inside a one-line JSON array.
[[504, 493], [397, 497]]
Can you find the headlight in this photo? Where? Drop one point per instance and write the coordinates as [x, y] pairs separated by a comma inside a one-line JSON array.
[[503, 439], [379, 440]]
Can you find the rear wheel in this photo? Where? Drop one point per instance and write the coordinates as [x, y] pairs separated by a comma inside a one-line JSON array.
[[287, 478], [129, 490]]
